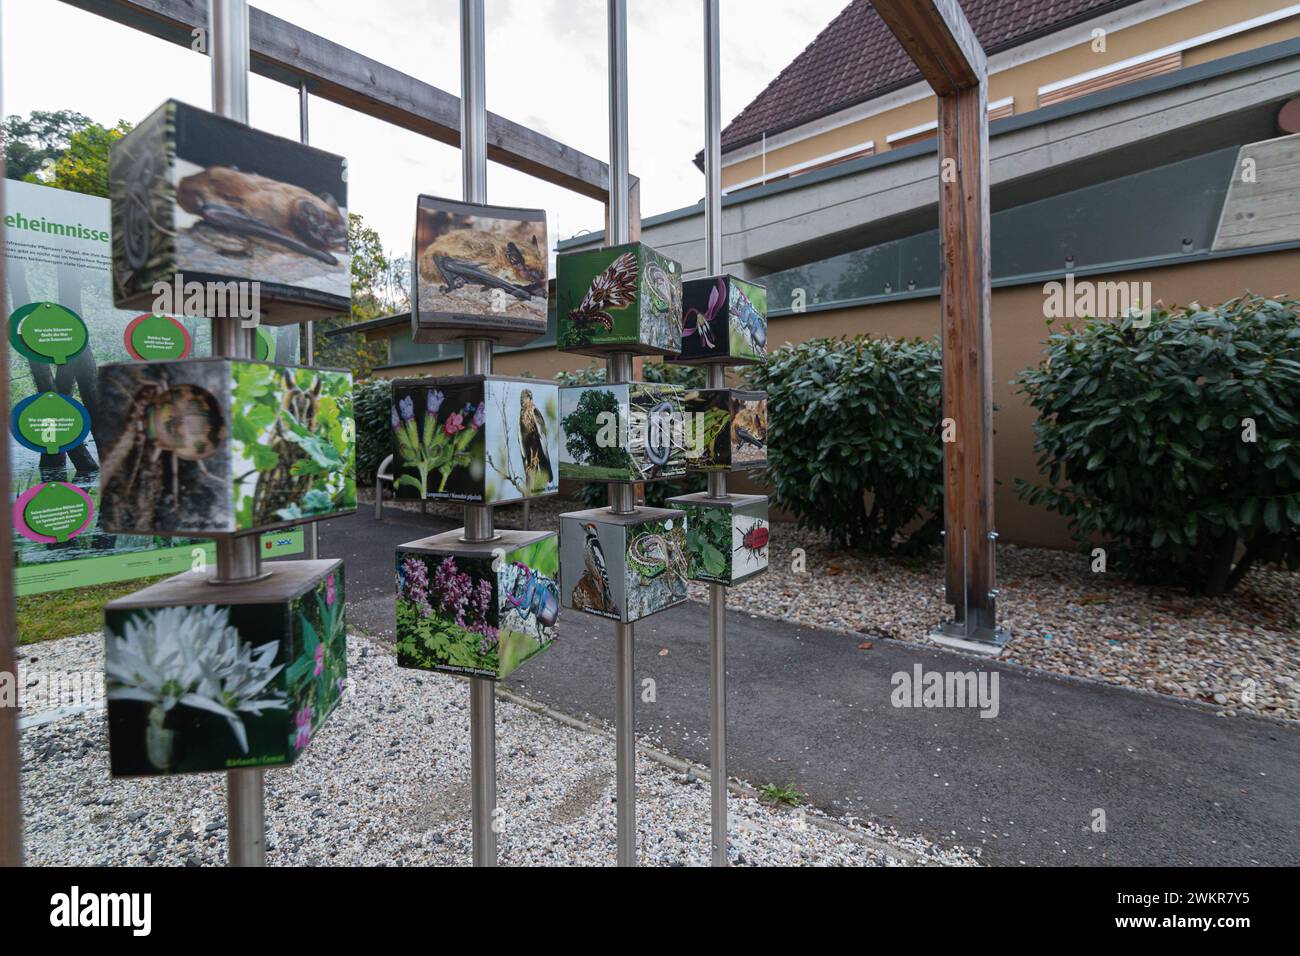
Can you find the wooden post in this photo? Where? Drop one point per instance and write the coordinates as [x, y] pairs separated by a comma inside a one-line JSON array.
[[939, 40], [11, 815]]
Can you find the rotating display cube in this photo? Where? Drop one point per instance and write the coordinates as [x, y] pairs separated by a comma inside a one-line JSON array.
[[215, 447], [476, 438], [624, 298], [729, 429], [203, 677], [479, 271], [623, 567], [198, 198], [724, 322], [726, 538], [632, 431], [480, 608]]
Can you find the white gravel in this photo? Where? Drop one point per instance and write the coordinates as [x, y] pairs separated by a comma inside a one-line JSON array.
[[386, 782]]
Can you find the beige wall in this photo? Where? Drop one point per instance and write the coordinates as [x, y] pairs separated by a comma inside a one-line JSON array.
[[1023, 81], [1019, 329]]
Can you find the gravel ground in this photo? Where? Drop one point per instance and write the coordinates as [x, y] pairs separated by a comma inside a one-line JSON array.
[[1240, 653], [387, 783]]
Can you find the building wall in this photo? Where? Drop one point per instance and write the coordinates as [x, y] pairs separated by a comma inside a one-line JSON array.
[[1019, 330], [1023, 81]]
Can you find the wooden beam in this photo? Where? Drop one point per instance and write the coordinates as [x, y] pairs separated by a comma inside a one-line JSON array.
[[964, 303], [289, 54], [939, 39], [11, 817]]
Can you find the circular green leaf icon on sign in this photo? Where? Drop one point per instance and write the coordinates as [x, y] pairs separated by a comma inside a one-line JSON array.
[[50, 422], [53, 333], [56, 511], [265, 344], [154, 337]]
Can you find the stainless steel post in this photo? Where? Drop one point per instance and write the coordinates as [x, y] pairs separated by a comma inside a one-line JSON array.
[[622, 497], [308, 350], [246, 795], [238, 559], [478, 361], [716, 378]]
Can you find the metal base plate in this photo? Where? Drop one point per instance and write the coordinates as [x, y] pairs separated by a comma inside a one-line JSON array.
[[990, 642]]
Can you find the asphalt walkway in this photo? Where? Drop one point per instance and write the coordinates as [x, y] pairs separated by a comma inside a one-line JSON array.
[[1171, 783]]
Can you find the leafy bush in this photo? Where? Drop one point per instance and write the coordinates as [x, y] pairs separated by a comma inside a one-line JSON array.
[[596, 495], [1177, 444], [848, 417], [373, 407]]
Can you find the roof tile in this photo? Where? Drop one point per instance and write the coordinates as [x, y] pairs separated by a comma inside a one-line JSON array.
[[856, 58]]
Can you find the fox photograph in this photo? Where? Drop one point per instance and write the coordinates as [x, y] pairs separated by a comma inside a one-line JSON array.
[[479, 267]]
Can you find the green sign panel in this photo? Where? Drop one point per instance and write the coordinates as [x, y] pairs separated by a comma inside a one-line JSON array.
[[47, 332], [50, 422]]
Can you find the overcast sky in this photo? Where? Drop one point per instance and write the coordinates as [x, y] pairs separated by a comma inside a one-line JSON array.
[[545, 69]]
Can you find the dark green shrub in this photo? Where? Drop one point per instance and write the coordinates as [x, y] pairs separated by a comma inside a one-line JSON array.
[[1144, 435], [656, 492], [373, 406], [851, 417]]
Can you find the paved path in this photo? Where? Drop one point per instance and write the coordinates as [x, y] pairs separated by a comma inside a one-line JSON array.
[[1178, 785]]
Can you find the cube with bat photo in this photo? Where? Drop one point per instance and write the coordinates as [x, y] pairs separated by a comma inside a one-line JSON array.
[[623, 566], [476, 438], [476, 608], [217, 447], [200, 198], [724, 322], [624, 298], [203, 677], [478, 271], [726, 538], [729, 429], [631, 431]]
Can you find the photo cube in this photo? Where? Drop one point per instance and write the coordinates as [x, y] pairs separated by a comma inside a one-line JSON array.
[[726, 538], [479, 609], [202, 199], [478, 271], [623, 567], [214, 447], [729, 429], [724, 322], [203, 677], [624, 298], [476, 438], [633, 431]]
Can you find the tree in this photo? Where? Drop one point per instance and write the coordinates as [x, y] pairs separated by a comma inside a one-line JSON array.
[[372, 297], [583, 427], [63, 149], [43, 136], [83, 167]]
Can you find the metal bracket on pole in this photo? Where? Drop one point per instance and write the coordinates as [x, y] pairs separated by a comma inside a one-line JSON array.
[[973, 629]]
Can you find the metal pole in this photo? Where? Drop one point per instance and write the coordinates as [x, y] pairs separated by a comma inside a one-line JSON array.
[[622, 497], [238, 559], [11, 815], [310, 536], [716, 378], [478, 361]]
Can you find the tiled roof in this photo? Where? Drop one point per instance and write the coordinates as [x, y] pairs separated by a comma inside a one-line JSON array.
[[857, 58]]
